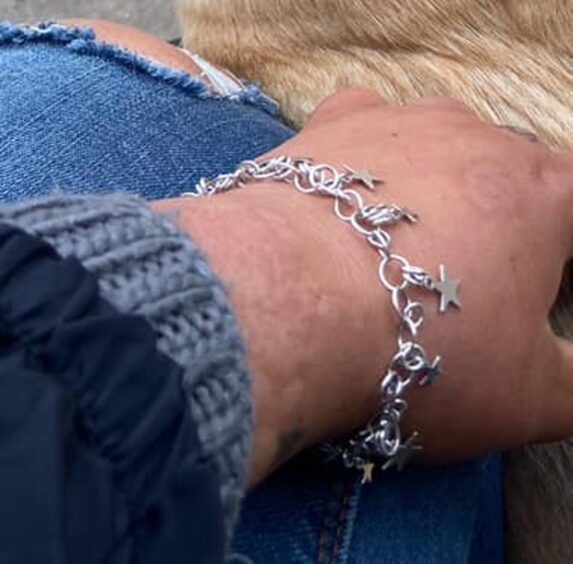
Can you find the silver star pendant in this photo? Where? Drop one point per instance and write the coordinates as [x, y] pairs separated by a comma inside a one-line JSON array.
[[365, 177], [448, 290], [406, 451], [432, 372]]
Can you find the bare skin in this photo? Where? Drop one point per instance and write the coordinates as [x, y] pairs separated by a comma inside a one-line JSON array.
[[495, 208]]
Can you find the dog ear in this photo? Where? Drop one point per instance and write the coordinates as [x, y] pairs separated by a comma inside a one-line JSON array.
[[344, 102]]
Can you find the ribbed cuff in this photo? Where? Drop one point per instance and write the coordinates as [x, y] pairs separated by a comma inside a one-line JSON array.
[[146, 266]]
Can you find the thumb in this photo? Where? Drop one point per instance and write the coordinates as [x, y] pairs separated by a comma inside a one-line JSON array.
[[343, 103]]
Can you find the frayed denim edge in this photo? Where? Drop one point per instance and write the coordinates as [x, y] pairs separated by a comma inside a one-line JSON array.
[[83, 40]]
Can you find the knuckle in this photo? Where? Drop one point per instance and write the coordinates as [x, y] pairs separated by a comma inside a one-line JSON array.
[[356, 98], [359, 94], [343, 103], [443, 102]]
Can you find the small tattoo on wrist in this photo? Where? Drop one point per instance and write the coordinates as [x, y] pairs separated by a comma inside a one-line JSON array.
[[289, 444]]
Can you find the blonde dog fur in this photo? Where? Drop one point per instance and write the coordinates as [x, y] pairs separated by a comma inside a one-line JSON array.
[[510, 60]]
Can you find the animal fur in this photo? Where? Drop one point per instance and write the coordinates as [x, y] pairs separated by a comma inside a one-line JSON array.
[[510, 60]]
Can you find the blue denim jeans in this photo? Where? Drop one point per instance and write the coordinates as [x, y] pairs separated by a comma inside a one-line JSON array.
[[313, 513], [80, 116]]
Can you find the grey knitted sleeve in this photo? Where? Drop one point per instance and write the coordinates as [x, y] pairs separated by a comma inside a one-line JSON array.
[[146, 266]]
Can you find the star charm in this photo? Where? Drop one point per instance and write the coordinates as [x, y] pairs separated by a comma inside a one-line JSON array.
[[431, 373], [448, 290], [411, 216], [367, 469], [365, 177], [406, 451]]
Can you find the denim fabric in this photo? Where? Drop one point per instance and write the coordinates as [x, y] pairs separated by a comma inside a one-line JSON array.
[[78, 116], [309, 513]]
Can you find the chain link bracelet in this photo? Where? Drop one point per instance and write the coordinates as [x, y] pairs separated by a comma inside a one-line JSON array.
[[382, 438]]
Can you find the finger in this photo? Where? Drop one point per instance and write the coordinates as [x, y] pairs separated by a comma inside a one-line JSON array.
[[564, 179], [555, 393], [343, 103], [558, 177]]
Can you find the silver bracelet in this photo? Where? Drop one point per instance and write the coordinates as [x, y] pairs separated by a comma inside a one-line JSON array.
[[381, 439]]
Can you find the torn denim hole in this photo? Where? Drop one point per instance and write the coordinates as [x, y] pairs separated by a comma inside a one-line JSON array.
[[83, 40]]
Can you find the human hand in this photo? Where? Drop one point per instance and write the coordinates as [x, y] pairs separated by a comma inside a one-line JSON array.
[[496, 210], [320, 331]]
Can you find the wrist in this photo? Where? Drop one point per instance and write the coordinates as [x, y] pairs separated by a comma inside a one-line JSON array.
[[303, 287], [256, 255]]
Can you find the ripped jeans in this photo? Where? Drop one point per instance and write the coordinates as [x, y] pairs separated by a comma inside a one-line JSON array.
[[80, 116]]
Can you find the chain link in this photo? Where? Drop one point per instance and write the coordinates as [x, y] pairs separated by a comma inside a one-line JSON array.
[[382, 437]]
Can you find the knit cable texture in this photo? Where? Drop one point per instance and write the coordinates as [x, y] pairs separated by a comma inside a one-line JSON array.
[[147, 266]]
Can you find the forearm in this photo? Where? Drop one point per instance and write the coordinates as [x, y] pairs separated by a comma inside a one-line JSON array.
[[295, 277], [256, 255], [300, 286]]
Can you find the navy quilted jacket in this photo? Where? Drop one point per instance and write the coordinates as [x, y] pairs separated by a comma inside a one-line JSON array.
[[100, 459]]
